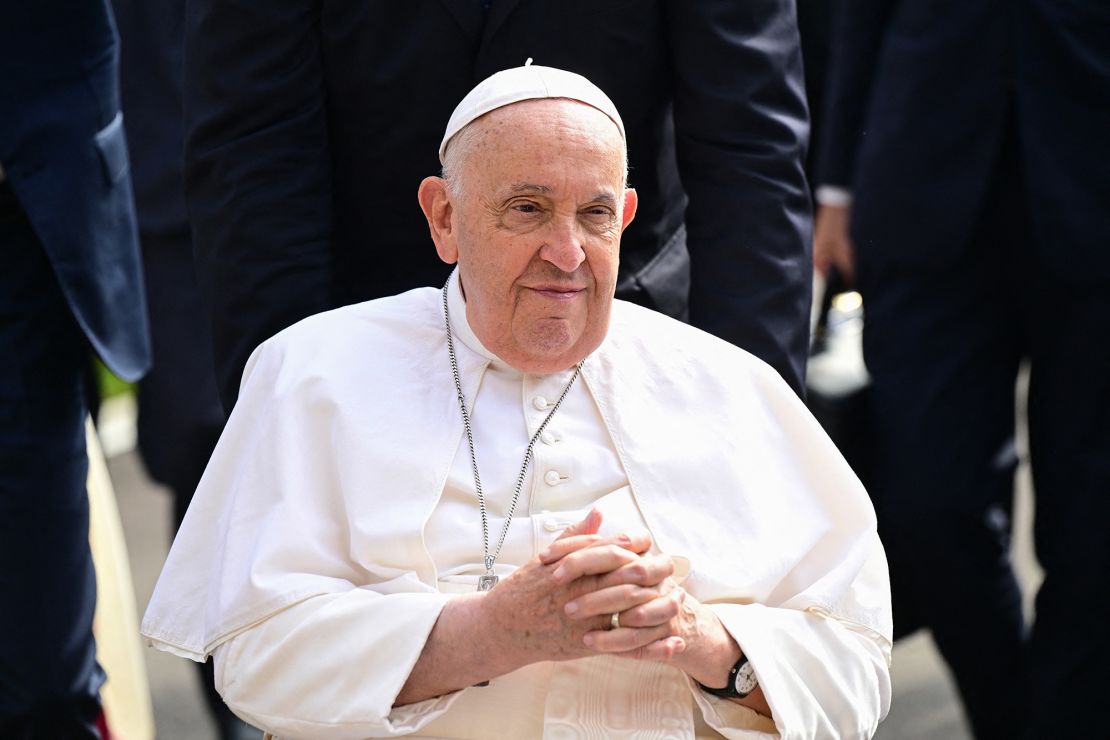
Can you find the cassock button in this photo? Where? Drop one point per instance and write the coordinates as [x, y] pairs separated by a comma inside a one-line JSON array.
[[540, 403], [551, 477], [551, 525], [547, 438]]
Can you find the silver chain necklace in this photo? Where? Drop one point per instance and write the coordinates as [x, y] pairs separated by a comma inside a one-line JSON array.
[[489, 580]]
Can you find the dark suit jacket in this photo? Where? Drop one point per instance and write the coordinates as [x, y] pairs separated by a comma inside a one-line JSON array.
[[63, 151], [815, 28], [180, 414], [311, 124], [152, 40], [920, 97]]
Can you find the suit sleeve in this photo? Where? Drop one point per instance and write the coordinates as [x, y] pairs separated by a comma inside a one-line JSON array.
[[854, 54], [741, 129], [257, 171]]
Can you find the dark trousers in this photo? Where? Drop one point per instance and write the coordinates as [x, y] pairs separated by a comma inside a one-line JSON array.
[[49, 678], [943, 343], [180, 415]]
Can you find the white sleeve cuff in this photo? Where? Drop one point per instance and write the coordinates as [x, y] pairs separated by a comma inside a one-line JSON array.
[[821, 677], [732, 720], [833, 195]]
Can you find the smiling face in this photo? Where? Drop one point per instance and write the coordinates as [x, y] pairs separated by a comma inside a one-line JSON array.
[[535, 225]]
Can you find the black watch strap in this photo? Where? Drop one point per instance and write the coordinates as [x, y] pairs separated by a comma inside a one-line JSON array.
[[728, 691]]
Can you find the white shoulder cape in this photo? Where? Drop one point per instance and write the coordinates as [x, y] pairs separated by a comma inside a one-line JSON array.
[[347, 423]]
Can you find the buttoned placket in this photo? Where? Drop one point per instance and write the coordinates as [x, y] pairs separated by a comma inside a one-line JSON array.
[[554, 473]]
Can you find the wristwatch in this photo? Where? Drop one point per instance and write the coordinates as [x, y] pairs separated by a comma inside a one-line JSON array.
[[741, 681]]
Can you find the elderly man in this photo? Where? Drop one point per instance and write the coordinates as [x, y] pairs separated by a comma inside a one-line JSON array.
[[372, 551]]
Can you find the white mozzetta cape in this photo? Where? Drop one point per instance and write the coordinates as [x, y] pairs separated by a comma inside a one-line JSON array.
[[347, 424]]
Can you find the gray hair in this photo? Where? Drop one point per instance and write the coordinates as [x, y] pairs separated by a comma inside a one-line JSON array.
[[455, 155]]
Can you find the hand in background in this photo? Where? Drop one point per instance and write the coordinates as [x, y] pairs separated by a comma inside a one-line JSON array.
[[832, 246]]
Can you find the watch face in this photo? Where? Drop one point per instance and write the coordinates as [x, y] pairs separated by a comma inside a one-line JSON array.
[[745, 682]]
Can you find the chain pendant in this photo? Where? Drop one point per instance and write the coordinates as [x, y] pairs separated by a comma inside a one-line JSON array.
[[489, 580]]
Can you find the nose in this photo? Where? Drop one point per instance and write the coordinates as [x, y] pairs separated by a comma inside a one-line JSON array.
[[564, 245]]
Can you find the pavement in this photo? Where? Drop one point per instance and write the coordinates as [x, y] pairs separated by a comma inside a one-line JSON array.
[[925, 706]]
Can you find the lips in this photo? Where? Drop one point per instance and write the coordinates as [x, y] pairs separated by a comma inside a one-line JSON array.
[[558, 292]]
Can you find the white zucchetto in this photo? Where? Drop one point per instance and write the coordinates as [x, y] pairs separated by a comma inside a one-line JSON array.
[[529, 82]]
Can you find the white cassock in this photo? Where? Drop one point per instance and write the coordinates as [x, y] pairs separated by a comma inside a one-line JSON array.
[[338, 515]]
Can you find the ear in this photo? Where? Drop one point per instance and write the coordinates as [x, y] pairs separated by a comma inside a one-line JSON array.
[[435, 201], [631, 201]]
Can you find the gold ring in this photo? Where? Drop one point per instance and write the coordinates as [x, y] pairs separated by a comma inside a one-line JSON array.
[[615, 621]]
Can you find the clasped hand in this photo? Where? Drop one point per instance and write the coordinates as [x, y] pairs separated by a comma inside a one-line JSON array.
[[558, 605]]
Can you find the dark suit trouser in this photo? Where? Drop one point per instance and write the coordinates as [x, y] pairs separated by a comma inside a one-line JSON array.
[[49, 678], [943, 343], [180, 414]]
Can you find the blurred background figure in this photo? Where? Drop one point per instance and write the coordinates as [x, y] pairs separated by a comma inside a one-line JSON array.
[[966, 143], [837, 385], [180, 416], [70, 279], [815, 31], [311, 124]]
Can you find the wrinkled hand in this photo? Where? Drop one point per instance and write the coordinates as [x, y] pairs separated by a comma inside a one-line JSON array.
[[547, 607], [832, 245], [640, 590], [658, 619], [557, 606]]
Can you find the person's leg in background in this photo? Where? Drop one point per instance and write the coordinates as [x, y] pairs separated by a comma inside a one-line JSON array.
[[49, 678], [943, 343], [944, 487], [1069, 427], [180, 415]]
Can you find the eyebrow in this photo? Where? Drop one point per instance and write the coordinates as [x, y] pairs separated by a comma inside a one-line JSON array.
[[527, 187]]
